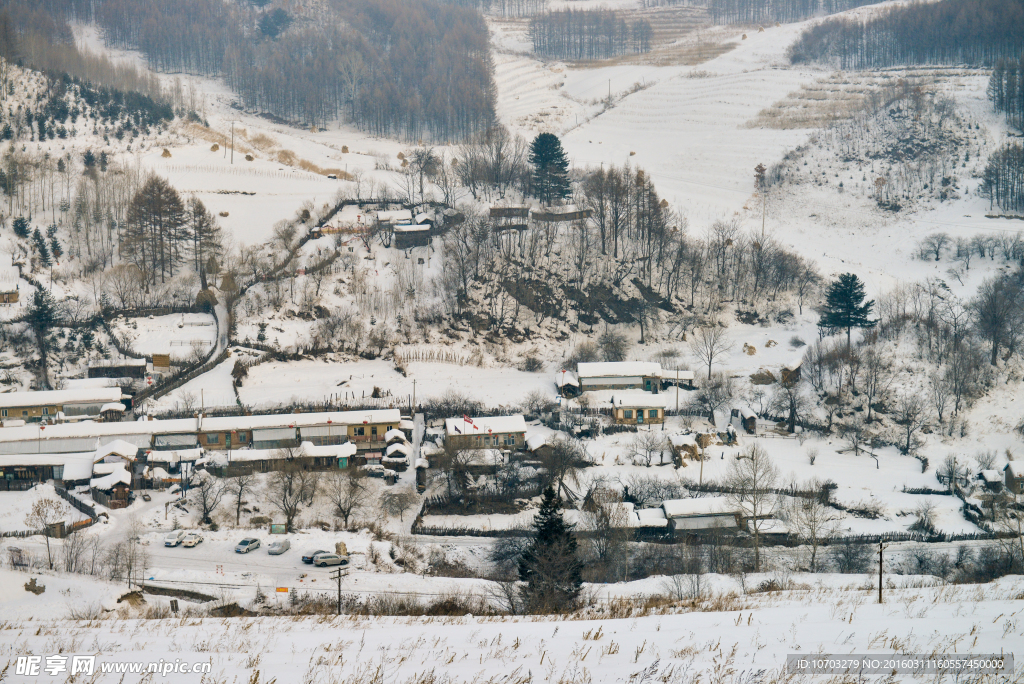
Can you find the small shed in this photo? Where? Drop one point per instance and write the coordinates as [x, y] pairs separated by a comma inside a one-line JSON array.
[[421, 474], [395, 436], [568, 383], [747, 419], [118, 368], [408, 236], [1014, 474], [770, 530], [112, 412], [790, 373], [992, 480], [111, 490], [652, 518]]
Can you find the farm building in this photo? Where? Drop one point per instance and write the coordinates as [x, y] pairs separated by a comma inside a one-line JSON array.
[[52, 405], [306, 455], [22, 471], [408, 236], [684, 446], [118, 368], [746, 418], [707, 514], [112, 487], [992, 480], [652, 518], [771, 530], [614, 375], [568, 383], [637, 408], [506, 432]]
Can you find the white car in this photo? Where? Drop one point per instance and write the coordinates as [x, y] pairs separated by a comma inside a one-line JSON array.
[[174, 538], [191, 539], [278, 547]]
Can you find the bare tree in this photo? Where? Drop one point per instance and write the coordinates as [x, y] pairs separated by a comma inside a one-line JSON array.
[[239, 488], [752, 476], [291, 488], [646, 445], [789, 400], [814, 522], [347, 490], [208, 494], [911, 415], [709, 344], [562, 463], [877, 377], [713, 395], [396, 503], [46, 512], [935, 244]]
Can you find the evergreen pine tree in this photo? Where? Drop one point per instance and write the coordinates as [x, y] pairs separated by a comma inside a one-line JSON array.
[[549, 566], [55, 249], [39, 242], [89, 160], [845, 308], [21, 227], [550, 168]]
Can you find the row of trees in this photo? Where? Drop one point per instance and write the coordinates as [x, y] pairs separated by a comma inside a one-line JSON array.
[[1003, 181], [588, 34], [415, 71], [770, 11], [1006, 90], [972, 32]]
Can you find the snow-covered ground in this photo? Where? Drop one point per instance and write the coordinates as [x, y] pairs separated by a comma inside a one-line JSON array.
[[732, 637], [16, 506], [175, 334]]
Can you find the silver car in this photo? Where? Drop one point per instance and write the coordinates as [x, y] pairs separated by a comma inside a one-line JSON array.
[[278, 547], [246, 545], [324, 559]]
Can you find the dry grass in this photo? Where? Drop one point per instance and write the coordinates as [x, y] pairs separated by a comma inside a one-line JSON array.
[[843, 95]]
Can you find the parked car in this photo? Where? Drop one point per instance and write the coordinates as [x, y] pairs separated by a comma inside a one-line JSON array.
[[325, 559], [374, 470], [174, 538], [248, 544], [278, 547], [308, 557], [191, 539]]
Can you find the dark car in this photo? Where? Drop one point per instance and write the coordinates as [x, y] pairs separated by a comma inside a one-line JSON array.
[[308, 557]]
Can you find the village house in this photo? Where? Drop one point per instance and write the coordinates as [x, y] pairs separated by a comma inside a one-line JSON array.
[[54, 405], [306, 455], [112, 487], [746, 418], [407, 236], [19, 472], [701, 516], [638, 408], [9, 285], [502, 432]]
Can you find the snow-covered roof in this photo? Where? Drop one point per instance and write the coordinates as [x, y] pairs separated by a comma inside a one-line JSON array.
[[91, 395], [412, 227], [423, 216], [12, 423], [395, 215], [394, 434], [406, 424], [157, 473], [769, 526], [112, 406], [484, 426], [484, 457], [397, 448], [537, 440], [226, 423], [1016, 470], [430, 449], [638, 399], [566, 378], [118, 447], [422, 463], [794, 364], [119, 475], [651, 517], [616, 369], [708, 505], [175, 456], [991, 476], [679, 439]]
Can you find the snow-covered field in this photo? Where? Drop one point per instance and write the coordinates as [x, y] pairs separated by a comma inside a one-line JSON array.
[[175, 334], [731, 637]]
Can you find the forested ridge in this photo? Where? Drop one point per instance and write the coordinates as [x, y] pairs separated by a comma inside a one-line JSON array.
[[770, 11], [956, 32], [1006, 90], [412, 70]]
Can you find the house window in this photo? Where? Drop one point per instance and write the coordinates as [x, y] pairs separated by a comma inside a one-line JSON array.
[[487, 440], [241, 438], [359, 431], [653, 413], [213, 439], [3, 413], [510, 440], [627, 414], [46, 410], [373, 430], [24, 414]]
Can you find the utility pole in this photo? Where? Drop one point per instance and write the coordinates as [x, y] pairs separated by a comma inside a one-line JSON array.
[[337, 574], [881, 546], [412, 410], [232, 142]]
